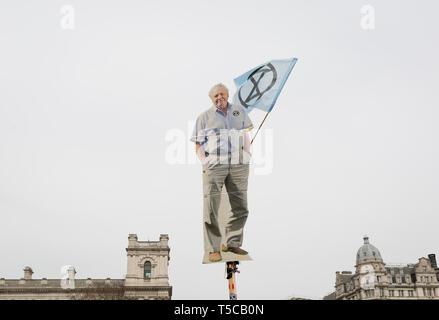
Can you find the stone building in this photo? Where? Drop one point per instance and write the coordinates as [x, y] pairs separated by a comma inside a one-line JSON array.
[[373, 279], [146, 278]]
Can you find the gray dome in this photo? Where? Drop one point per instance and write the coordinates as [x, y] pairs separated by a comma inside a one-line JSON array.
[[367, 251]]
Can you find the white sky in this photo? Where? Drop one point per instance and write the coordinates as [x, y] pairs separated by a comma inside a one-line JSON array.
[[84, 114]]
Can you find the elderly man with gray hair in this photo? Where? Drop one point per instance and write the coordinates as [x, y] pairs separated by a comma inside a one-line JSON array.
[[223, 146]]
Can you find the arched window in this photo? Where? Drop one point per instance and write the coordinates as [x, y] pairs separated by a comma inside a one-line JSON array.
[[147, 270]]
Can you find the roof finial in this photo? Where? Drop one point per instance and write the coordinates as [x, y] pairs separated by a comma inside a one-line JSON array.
[[366, 239]]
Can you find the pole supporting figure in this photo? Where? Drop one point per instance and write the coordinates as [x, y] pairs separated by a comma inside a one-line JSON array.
[[231, 269]]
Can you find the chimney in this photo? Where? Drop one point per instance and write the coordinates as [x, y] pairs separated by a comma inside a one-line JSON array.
[[432, 258], [71, 273], [28, 273], [164, 240], [68, 279], [132, 240], [366, 239]]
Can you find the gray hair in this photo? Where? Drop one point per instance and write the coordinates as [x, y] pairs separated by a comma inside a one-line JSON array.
[[218, 85]]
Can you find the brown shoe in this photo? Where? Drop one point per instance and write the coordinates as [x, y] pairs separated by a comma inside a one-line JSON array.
[[233, 250], [214, 256]]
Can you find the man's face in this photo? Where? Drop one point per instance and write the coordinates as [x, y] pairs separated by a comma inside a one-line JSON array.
[[219, 97]]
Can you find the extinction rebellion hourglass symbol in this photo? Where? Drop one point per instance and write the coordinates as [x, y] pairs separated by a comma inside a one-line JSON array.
[[266, 72]]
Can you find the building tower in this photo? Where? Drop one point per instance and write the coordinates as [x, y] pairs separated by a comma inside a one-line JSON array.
[[369, 256], [147, 265], [370, 268], [373, 279]]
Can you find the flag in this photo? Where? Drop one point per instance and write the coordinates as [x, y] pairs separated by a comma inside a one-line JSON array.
[[260, 87]]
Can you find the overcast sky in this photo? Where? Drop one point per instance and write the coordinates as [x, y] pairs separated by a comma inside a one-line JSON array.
[[85, 114]]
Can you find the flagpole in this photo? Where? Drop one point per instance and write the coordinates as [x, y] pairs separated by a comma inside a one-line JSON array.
[[260, 127]]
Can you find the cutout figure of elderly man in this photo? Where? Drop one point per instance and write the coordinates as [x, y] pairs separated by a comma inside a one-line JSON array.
[[223, 147]]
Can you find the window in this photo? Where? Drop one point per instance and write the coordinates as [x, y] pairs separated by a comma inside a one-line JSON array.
[[401, 271], [410, 293], [401, 293], [414, 278], [429, 292], [403, 279], [381, 292], [423, 289], [147, 270], [370, 293], [408, 279], [379, 279], [424, 269], [391, 293], [394, 279]]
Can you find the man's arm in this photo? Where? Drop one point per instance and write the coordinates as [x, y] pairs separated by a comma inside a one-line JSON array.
[[199, 150]]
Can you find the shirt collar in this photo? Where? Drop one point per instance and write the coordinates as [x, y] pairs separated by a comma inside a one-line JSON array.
[[214, 108]]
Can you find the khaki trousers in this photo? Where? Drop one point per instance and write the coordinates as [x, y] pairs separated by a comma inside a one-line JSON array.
[[234, 177]]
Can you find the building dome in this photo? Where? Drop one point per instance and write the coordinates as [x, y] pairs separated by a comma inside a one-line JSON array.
[[368, 252]]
